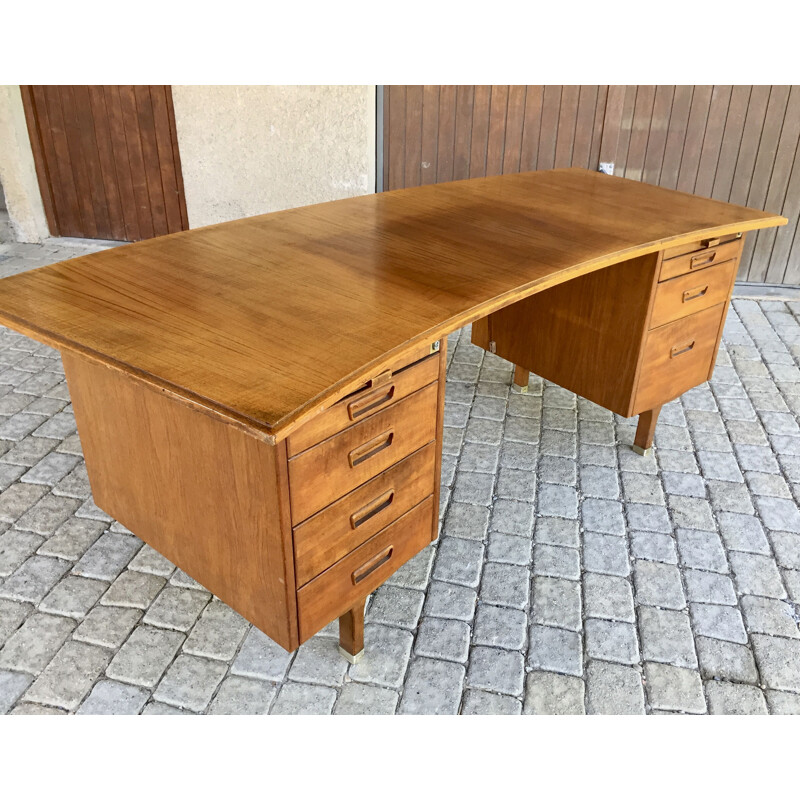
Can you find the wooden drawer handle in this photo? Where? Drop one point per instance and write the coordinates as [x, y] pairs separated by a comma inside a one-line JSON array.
[[693, 294], [373, 564], [680, 349], [711, 242], [371, 509], [370, 448], [370, 401], [703, 260]]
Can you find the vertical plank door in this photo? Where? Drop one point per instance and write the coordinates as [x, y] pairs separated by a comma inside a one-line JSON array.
[[107, 160]]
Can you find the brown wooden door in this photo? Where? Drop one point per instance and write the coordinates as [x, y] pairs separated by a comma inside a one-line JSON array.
[[740, 144], [107, 160]]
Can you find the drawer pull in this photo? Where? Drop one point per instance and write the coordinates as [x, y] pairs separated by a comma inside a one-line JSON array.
[[693, 294], [679, 349], [370, 448], [371, 509], [371, 401], [703, 260], [373, 564], [711, 242]]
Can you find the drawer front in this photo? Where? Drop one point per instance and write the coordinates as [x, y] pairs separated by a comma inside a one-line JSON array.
[[341, 586], [386, 390], [331, 469], [337, 530], [678, 357], [694, 292], [699, 259]]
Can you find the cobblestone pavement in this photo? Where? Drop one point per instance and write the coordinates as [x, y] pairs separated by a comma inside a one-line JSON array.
[[572, 576]]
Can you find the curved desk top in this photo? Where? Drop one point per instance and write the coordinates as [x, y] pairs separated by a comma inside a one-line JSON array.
[[268, 320]]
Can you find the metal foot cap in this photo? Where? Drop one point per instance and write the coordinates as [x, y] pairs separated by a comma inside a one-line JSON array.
[[642, 451], [353, 659]]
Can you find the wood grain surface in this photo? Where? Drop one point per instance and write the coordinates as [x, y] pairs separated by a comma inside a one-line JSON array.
[[267, 321]]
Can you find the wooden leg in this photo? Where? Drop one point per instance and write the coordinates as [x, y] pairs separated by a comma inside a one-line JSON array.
[[521, 378], [351, 633], [646, 431]]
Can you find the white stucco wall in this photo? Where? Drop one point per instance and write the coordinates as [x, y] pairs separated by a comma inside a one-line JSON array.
[[17, 170], [249, 150]]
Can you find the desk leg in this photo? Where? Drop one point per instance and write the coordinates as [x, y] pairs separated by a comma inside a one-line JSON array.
[[521, 378], [351, 633], [646, 431]]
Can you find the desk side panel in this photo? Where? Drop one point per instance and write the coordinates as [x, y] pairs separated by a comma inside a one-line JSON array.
[[208, 496]]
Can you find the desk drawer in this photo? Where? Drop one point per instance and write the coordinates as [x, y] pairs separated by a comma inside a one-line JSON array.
[[699, 259], [395, 384], [691, 293], [678, 357], [337, 530], [331, 469], [341, 586]]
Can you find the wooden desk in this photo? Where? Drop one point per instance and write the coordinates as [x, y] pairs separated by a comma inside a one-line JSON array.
[[261, 401]]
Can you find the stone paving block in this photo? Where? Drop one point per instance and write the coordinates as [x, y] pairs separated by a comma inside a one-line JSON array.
[[500, 627], [691, 512], [107, 557], [603, 516], [507, 549], [557, 602], [260, 657], [613, 689], [432, 687], [20, 425], [757, 457], [777, 660], [666, 637], [107, 627], [72, 539], [12, 615], [686, 485], [9, 473], [89, 510], [396, 606], [701, 550], [787, 549], [46, 516], [598, 456], [218, 632], [304, 698], [555, 650], [110, 697], [556, 562], [518, 455], [645, 517], [51, 469], [516, 484], [555, 531], [674, 689], [600, 482], [149, 560], [415, 573], [68, 678], [726, 660], [759, 483], [59, 426], [778, 514], [719, 467], [36, 710], [447, 639], [318, 661], [783, 702], [652, 546], [477, 702], [775, 617], [17, 499], [145, 656], [361, 698], [562, 471], [386, 654], [15, 547], [450, 601], [139, 589], [505, 585], [605, 554], [708, 587], [611, 641], [73, 597], [607, 597], [730, 497], [718, 622], [641, 488], [459, 561], [512, 516], [557, 501], [12, 686], [549, 693], [756, 574], [743, 532], [678, 463], [473, 488], [33, 579], [658, 585], [243, 696], [190, 682], [732, 698]]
